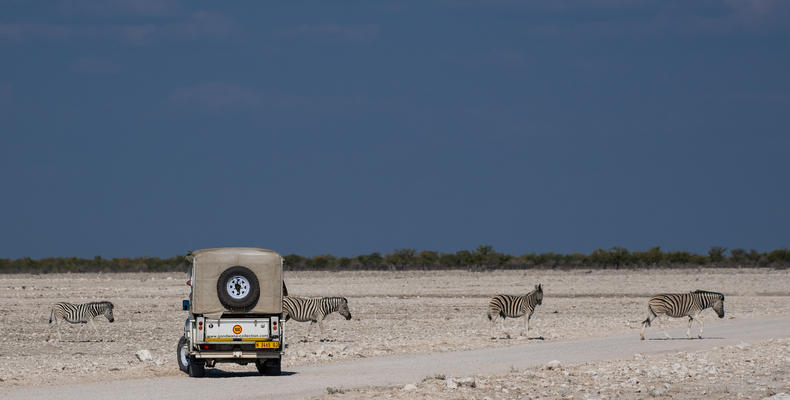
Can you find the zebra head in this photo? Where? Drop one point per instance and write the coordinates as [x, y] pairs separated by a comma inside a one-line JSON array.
[[718, 306], [342, 308], [108, 311], [539, 293]]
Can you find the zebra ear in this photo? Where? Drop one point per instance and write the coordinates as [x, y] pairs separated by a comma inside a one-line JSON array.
[[539, 287]]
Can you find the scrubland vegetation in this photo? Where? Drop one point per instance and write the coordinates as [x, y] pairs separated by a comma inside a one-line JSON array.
[[484, 257]]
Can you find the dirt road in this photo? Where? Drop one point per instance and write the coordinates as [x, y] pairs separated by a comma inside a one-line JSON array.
[[303, 382]]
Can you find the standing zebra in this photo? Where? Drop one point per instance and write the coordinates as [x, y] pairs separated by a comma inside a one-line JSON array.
[[80, 314], [506, 306], [314, 310], [679, 305]]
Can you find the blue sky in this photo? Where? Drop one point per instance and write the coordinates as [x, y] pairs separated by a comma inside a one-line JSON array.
[[133, 128]]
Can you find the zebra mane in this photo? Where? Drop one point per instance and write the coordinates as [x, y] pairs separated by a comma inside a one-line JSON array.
[[102, 303], [709, 292]]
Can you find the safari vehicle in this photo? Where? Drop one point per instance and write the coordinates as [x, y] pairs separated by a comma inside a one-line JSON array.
[[235, 309]]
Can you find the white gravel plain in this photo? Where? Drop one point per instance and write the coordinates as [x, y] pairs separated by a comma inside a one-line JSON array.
[[743, 371], [394, 313]]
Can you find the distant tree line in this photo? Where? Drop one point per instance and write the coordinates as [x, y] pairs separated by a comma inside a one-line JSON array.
[[484, 257], [96, 264]]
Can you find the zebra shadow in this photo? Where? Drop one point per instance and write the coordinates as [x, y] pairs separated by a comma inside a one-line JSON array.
[[516, 338], [218, 373], [315, 341], [694, 338]]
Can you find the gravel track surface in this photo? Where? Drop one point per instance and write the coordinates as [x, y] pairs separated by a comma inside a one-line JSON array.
[[341, 377]]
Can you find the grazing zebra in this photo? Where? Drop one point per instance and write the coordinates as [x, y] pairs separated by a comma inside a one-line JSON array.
[[314, 310], [80, 314], [513, 307], [679, 305]]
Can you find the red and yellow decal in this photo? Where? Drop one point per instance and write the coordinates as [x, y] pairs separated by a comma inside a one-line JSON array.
[[237, 329]]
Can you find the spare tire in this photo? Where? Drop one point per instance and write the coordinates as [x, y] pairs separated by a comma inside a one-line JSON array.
[[238, 289]]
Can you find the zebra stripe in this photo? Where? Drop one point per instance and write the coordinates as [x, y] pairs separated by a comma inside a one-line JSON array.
[[679, 305], [314, 310], [506, 306], [80, 314]]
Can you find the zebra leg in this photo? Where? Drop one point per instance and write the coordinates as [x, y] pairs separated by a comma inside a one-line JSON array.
[[493, 324], [699, 320], [57, 326], [321, 326], [688, 331], [93, 325], [664, 323], [309, 328], [82, 326], [646, 323], [526, 325]]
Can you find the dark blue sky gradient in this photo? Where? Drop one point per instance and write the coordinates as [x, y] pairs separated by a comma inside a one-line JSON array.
[[134, 128]]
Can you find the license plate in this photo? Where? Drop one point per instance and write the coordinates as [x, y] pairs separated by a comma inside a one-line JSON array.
[[267, 345]]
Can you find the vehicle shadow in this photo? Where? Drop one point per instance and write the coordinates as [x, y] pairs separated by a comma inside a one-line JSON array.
[[218, 373]]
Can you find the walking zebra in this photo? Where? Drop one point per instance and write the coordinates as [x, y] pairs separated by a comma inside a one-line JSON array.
[[80, 314], [679, 305], [506, 306], [314, 310]]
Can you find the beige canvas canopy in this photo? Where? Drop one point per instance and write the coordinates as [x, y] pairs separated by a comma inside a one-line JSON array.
[[209, 264]]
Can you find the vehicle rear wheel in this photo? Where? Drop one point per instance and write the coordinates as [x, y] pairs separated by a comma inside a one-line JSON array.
[[182, 354], [268, 367], [197, 369], [238, 289]]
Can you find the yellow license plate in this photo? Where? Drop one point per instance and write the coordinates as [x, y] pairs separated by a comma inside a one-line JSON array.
[[267, 345]]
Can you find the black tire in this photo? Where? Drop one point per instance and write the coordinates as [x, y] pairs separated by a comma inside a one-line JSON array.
[[197, 368], [238, 289], [269, 367], [182, 355]]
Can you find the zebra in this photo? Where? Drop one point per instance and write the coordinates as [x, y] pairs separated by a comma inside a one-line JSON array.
[[506, 306], [679, 305], [314, 310], [80, 314]]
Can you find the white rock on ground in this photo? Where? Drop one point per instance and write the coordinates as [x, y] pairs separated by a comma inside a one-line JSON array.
[[144, 355], [553, 364], [466, 381]]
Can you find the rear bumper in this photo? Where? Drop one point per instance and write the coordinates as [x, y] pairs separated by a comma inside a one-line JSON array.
[[236, 355]]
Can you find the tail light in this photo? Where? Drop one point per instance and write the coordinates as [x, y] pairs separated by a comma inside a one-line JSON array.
[[206, 347], [200, 325]]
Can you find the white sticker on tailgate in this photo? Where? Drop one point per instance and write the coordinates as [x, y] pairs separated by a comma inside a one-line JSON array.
[[236, 329]]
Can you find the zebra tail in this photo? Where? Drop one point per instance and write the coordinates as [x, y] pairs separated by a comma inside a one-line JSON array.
[[489, 316], [51, 316]]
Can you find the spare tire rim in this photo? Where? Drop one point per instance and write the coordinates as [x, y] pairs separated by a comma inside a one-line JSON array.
[[238, 287]]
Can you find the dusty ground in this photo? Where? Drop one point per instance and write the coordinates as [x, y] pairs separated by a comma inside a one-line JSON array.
[[743, 371], [394, 312]]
